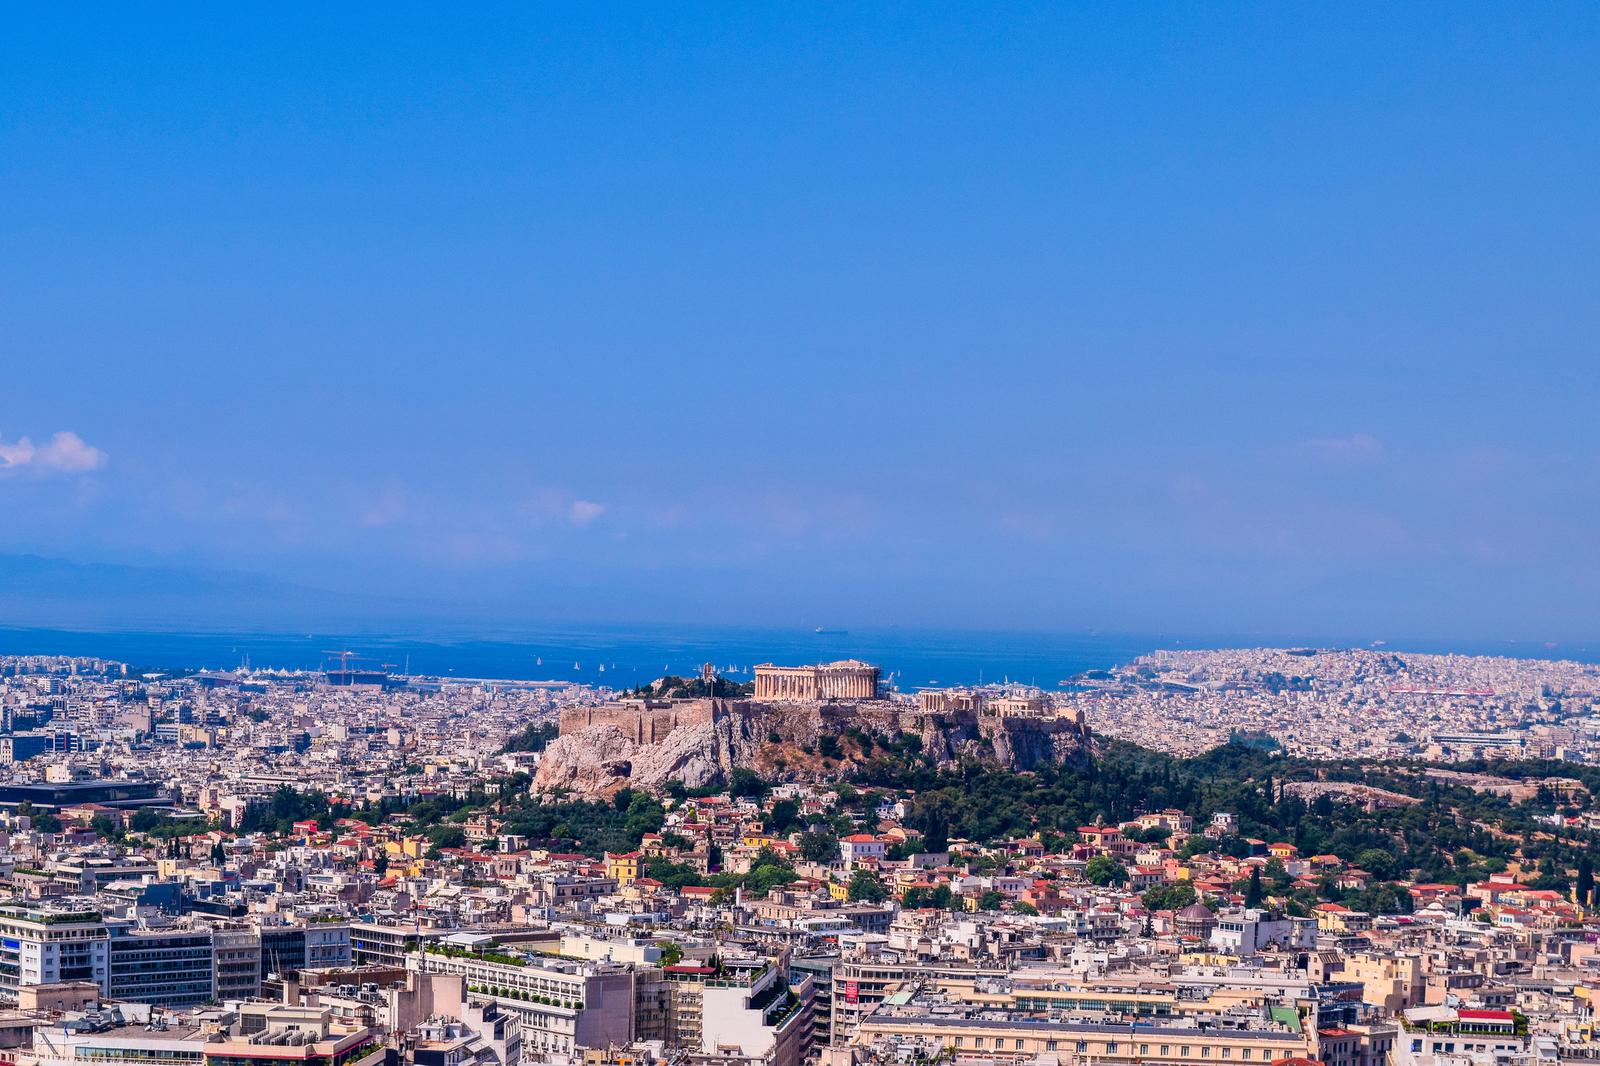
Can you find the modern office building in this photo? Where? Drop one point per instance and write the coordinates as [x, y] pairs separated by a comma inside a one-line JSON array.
[[373, 944], [44, 943], [237, 953], [165, 967]]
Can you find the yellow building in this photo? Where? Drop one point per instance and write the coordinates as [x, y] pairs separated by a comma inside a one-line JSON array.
[[406, 847], [623, 868], [1335, 918]]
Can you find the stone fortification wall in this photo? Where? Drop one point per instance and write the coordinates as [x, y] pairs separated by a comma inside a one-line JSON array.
[[640, 721]]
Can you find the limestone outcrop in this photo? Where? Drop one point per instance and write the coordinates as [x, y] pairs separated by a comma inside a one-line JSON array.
[[646, 744]]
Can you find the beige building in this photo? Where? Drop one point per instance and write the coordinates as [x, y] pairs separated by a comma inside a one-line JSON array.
[[1020, 704], [950, 701], [847, 679], [1392, 982], [970, 1036]]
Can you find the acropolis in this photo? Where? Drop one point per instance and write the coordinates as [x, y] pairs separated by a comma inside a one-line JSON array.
[[847, 679]]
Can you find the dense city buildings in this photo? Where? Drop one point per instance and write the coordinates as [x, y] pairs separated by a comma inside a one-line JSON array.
[[1342, 703], [235, 869]]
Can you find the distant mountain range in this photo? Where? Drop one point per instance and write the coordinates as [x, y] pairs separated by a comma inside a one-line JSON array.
[[39, 591]]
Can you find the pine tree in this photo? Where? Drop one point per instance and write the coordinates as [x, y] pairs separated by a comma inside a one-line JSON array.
[[1253, 895]]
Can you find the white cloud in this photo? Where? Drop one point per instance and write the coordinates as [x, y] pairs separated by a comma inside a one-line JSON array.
[[15, 456], [390, 507], [1344, 451], [557, 506], [63, 453]]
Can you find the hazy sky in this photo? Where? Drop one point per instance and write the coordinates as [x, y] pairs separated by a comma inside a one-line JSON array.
[[1201, 317]]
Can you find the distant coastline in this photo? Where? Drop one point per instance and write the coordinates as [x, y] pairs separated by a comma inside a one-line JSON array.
[[631, 655]]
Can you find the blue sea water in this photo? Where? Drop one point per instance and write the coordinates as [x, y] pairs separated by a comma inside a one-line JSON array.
[[628, 656], [912, 658]]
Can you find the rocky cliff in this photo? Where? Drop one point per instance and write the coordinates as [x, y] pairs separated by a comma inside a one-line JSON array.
[[699, 742]]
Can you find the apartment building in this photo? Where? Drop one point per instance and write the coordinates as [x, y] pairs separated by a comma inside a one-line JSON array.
[[561, 1003], [967, 1034], [45, 943]]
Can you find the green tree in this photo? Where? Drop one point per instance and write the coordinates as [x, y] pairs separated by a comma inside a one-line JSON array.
[[784, 814], [1173, 897], [938, 897], [446, 836], [747, 783], [1104, 870], [819, 846], [1378, 862], [535, 736], [866, 887]]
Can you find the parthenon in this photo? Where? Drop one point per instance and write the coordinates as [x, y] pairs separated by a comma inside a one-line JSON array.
[[847, 679]]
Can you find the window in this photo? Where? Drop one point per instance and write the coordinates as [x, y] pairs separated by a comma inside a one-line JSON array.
[[1245, 1054], [1144, 1049], [1227, 1052], [1083, 1045], [1111, 1047], [1205, 1051], [1166, 1049]]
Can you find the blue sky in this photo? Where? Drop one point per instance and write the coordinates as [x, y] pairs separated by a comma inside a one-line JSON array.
[[1194, 318]]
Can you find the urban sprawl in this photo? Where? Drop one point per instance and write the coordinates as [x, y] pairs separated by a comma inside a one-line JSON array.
[[1202, 858]]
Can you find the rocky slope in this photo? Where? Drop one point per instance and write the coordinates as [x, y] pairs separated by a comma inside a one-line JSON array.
[[785, 742]]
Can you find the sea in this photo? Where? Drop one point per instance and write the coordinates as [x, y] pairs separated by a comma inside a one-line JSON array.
[[624, 656]]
